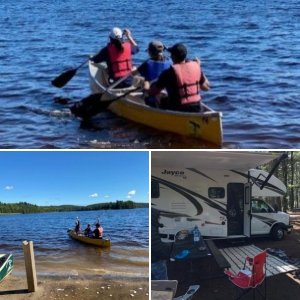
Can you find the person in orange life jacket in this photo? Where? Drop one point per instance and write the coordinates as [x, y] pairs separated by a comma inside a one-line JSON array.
[[118, 55], [98, 232], [183, 82], [154, 66]]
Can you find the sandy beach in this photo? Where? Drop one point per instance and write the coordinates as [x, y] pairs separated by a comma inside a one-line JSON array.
[[15, 288]]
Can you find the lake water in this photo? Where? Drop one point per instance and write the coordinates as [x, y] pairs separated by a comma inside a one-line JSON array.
[[250, 51], [57, 254]]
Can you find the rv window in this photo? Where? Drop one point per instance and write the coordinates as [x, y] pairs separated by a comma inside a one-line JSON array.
[[259, 206], [216, 192], [154, 189]]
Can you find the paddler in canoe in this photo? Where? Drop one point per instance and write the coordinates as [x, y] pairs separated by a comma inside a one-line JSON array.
[[98, 232], [77, 228], [182, 81], [118, 56], [154, 66], [88, 231]]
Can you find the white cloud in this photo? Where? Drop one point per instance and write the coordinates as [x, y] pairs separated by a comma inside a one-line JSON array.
[[106, 196], [131, 193], [9, 188], [95, 195], [128, 197]]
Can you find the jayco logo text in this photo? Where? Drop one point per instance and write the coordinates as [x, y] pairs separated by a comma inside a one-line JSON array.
[[173, 173]]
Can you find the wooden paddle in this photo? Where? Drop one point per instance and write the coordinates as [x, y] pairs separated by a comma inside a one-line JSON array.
[[61, 80], [90, 106]]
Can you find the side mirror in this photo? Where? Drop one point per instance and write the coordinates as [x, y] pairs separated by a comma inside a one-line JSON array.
[[275, 206]]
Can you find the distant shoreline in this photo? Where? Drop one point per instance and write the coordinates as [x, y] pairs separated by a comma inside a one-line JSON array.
[[27, 208], [55, 211]]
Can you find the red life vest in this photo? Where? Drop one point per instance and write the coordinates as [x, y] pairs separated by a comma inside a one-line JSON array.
[[120, 61], [188, 81]]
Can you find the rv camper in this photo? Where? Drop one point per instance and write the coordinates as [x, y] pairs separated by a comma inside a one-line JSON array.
[[220, 192]]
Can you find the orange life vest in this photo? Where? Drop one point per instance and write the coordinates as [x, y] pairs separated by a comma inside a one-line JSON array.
[[120, 61], [188, 81]]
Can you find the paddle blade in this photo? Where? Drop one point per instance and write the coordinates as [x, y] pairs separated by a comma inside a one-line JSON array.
[[63, 78], [89, 106]]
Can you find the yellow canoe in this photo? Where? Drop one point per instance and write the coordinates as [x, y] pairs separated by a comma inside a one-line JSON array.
[[205, 126], [104, 242]]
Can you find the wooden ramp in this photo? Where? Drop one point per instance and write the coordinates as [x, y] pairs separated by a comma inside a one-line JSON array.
[[236, 257]]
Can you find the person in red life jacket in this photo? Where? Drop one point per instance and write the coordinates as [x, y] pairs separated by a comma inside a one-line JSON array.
[[183, 82], [118, 55], [154, 66], [98, 232]]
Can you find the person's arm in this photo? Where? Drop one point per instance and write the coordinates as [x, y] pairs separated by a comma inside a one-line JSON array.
[[156, 87], [204, 83], [100, 56], [141, 70], [127, 33]]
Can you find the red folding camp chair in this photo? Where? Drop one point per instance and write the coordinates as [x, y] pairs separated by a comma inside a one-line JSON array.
[[251, 276]]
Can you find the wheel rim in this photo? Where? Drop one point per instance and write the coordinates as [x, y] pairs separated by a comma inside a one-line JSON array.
[[280, 233]]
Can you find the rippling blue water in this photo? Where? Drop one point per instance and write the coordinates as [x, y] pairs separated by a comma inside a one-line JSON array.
[[250, 51], [55, 250]]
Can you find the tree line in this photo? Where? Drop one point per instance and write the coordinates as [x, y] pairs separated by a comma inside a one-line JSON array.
[[289, 173], [25, 208]]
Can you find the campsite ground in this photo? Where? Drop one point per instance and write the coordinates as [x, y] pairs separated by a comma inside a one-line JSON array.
[[282, 286]]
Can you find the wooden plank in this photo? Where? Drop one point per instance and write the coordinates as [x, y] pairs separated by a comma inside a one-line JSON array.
[[234, 267], [30, 266], [220, 259], [164, 286], [161, 295]]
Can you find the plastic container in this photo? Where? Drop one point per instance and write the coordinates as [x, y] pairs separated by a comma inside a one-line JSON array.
[[197, 234]]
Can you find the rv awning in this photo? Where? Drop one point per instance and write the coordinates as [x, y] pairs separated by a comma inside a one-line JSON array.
[[212, 160]]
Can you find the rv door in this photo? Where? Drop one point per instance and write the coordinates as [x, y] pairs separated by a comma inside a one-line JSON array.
[[247, 209]]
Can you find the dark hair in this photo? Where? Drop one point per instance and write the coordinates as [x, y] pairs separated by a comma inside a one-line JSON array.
[[118, 43], [178, 52]]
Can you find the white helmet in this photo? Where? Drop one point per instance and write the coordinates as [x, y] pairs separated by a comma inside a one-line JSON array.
[[116, 33]]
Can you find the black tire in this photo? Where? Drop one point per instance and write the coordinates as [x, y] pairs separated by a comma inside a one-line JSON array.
[[277, 233]]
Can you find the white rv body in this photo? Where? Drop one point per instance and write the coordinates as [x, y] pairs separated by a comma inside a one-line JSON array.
[[215, 199]]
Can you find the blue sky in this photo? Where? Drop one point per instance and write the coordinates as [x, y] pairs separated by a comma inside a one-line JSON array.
[[73, 177]]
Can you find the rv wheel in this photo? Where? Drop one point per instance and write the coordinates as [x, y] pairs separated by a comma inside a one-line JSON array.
[[277, 233]]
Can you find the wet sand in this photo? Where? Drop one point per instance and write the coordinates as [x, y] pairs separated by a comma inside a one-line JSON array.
[[55, 287], [74, 281]]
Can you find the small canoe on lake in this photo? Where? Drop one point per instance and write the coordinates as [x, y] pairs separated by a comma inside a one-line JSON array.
[[104, 242], [6, 265], [204, 126]]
